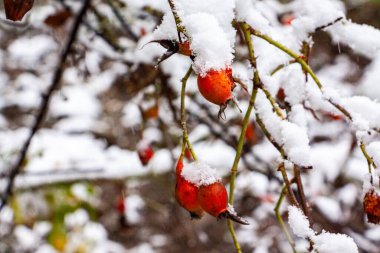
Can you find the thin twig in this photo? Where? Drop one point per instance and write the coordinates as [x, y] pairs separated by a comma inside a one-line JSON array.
[[44, 104], [290, 194], [183, 113], [298, 180], [281, 221], [307, 69]]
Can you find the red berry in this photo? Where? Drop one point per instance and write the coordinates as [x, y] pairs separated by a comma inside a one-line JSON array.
[[188, 154], [281, 95], [287, 19], [179, 167], [120, 205], [216, 86], [151, 112], [250, 133], [145, 152], [186, 193], [213, 198]]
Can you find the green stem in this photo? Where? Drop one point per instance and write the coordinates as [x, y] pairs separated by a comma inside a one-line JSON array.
[[183, 114], [281, 221], [271, 99], [306, 68], [233, 235], [292, 54], [177, 19], [368, 158], [290, 193], [241, 144]]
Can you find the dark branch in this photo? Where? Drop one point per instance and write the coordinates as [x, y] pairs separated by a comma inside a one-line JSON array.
[[44, 104]]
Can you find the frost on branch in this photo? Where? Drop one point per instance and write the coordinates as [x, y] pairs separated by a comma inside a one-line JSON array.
[[324, 242], [292, 137]]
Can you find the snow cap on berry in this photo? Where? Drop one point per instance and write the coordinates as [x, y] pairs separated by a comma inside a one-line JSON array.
[[199, 173]]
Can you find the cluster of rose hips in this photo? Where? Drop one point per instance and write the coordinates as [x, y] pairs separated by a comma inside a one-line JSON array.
[[210, 198], [215, 86]]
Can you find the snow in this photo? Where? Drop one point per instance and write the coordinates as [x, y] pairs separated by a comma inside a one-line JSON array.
[[347, 194], [365, 112], [293, 81], [77, 219], [69, 147], [131, 115], [247, 12], [167, 29], [222, 11], [299, 223], [208, 25], [367, 44], [334, 243], [25, 237], [133, 203], [330, 208], [208, 42], [296, 143], [75, 101], [373, 150], [324, 242], [369, 83], [199, 173], [22, 55], [293, 137], [311, 14], [161, 161]]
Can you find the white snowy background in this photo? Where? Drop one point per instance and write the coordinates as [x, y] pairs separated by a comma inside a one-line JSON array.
[[83, 163]]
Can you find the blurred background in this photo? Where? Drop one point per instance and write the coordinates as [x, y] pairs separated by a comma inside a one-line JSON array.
[[98, 176]]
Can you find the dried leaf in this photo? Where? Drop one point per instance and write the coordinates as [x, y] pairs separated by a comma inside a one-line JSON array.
[[16, 9], [371, 205], [58, 18]]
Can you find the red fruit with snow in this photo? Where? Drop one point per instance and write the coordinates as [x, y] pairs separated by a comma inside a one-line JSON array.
[[186, 193], [216, 86], [145, 152]]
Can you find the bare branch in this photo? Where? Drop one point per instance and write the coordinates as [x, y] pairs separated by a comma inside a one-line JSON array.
[[43, 108]]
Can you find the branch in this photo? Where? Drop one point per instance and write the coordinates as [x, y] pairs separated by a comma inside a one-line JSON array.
[[308, 70], [183, 114], [281, 221], [44, 104]]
